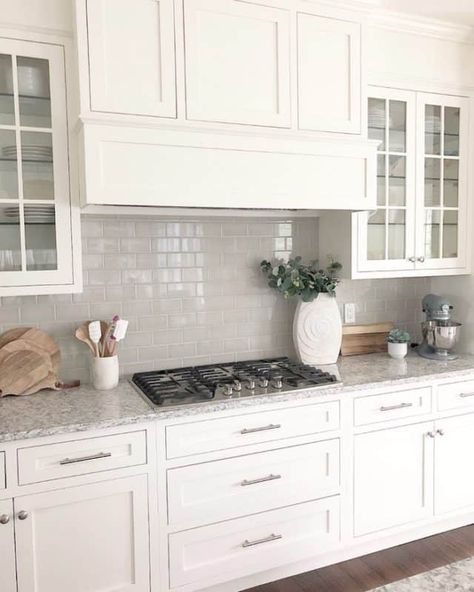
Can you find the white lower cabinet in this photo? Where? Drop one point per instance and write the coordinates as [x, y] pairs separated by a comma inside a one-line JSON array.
[[393, 477], [229, 488], [7, 547], [221, 552], [454, 481], [88, 538]]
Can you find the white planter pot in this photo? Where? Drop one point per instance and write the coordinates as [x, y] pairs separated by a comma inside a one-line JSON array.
[[105, 373], [317, 330], [397, 350]]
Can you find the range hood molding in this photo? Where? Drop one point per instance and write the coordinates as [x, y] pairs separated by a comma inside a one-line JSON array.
[[139, 166]]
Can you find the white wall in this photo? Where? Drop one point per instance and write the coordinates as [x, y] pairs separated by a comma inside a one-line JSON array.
[[49, 14]]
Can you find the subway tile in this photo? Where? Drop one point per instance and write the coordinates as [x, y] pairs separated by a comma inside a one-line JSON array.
[[168, 337], [122, 261], [151, 229], [153, 352], [137, 276], [135, 245], [103, 277], [36, 313], [72, 312], [101, 245]]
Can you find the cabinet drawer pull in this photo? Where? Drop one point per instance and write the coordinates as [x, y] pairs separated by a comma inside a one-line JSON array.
[[393, 407], [4, 519], [464, 395], [23, 515], [269, 539], [246, 482], [271, 426], [70, 461]]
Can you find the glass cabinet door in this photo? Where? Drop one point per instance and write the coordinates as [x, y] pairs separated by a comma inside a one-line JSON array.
[[442, 138], [34, 179], [387, 232]]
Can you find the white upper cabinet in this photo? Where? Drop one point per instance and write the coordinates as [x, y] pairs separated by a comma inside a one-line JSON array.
[[419, 226], [39, 246], [131, 56], [329, 74], [237, 62]]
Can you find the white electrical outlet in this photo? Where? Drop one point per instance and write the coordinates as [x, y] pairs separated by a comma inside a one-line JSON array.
[[349, 313]]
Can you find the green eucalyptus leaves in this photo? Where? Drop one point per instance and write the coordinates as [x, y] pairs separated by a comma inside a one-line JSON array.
[[294, 278]]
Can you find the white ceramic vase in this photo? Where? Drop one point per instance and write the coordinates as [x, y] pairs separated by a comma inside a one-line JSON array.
[[317, 330], [397, 351], [105, 373]]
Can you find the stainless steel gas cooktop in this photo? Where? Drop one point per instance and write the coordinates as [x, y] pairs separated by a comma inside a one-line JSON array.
[[214, 382]]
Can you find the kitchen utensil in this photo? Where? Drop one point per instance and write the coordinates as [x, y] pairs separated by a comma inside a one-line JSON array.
[[365, 339], [20, 369], [95, 335], [440, 333], [33, 338], [118, 334], [108, 334], [82, 333]]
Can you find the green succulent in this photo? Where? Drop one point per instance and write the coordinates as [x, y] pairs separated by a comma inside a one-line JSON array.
[[398, 336], [294, 278]]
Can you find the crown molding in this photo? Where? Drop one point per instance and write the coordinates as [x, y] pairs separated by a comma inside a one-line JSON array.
[[419, 25]]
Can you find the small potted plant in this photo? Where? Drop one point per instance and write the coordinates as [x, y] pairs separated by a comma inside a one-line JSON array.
[[398, 341]]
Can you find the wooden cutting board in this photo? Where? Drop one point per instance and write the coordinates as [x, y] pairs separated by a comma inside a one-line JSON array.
[[21, 369], [365, 339], [40, 340]]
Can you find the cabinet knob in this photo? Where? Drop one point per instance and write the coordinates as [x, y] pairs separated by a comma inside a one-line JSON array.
[[4, 519], [421, 259], [431, 434], [412, 259], [23, 515], [440, 432]]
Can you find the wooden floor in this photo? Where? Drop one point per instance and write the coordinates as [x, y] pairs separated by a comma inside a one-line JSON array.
[[383, 567]]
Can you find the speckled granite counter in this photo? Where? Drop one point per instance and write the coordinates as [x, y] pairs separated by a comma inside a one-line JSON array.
[[48, 413], [54, 412]]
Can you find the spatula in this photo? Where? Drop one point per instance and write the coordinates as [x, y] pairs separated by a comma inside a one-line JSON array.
[[118, 334], [95, 334]]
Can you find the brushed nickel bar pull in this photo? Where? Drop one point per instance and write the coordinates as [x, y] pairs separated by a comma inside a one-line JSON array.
[[246, 482], [70, 461], [464, 395], [269, 539], [393, 407], [272, 426]]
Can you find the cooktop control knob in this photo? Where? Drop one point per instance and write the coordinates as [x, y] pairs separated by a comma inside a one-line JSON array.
[[277, 382], [250, 384], [263, 382], [228, 390], [237, 386]]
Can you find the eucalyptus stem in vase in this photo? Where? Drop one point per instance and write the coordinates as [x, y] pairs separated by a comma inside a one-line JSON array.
[[317, 325]]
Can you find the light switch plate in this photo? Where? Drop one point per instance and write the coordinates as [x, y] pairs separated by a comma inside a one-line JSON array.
[[349, 313]]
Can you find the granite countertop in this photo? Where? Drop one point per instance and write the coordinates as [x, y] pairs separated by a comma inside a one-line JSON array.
[[48, 413]]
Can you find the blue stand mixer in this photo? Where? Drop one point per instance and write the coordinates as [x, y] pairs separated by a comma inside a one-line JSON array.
[[440, 333]]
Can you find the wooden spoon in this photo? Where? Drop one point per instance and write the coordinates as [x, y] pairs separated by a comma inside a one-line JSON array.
[[82, 334]]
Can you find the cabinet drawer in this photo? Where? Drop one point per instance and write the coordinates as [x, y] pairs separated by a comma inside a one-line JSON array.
[[456, 395], [234, 487], [252, 428], [250, 545], [79, 457], [395, 405], [3, 476]]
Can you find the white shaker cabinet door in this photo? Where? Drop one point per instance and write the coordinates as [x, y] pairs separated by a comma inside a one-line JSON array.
[[131, 56], [7, 548], [454, 480], [393, 480], [90, 538], [237, 62], [329, 74]]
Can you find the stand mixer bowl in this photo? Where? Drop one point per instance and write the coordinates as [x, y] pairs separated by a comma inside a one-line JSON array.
[[441, 335]]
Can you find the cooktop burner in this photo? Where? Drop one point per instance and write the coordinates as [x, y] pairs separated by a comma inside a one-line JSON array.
[[229, 381]]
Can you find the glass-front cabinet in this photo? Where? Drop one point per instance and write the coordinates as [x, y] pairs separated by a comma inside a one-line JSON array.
[[419, 225], [36, 246]]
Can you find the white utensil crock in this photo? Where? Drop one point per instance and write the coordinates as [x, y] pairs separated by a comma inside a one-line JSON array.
[[105, 373], [397, 350], [317, 330]]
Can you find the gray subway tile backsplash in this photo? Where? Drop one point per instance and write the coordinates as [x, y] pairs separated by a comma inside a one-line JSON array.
[[193, 292]]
